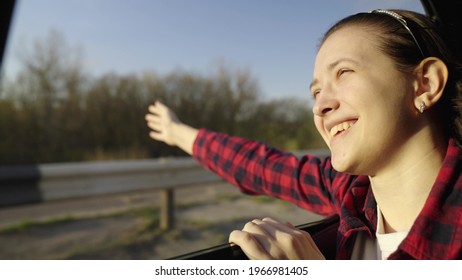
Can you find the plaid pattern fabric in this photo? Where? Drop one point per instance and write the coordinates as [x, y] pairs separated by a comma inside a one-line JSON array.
[[313, 184]]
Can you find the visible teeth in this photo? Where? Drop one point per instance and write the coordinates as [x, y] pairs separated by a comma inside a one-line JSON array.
[[340, 127]]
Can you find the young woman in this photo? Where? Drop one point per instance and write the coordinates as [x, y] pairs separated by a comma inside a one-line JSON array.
[[387, 101]]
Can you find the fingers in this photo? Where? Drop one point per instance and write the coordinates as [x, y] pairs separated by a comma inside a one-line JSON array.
[[250, 244], [156, 136], [259, 239], [290, 236], [152, 120], [269, 238], [154, 123], [284, 236], [154, 117], [156, 108], [280, 225], [162, 112]]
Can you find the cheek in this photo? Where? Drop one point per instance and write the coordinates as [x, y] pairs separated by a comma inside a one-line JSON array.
[[318, 123], [320, 127]]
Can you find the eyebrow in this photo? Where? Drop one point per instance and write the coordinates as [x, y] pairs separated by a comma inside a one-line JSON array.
[[333, 65]]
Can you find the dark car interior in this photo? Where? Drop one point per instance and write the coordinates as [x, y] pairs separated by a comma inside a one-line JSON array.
[[443, 12], [6, 16], [446, 14]]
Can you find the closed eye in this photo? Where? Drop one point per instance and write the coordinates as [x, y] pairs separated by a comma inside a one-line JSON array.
[[315, 93], [343, 71]]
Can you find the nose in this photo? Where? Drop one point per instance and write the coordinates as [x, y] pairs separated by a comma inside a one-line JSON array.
[[324, 104]]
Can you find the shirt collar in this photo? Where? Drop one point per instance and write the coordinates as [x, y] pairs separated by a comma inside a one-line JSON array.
[[436, 232]]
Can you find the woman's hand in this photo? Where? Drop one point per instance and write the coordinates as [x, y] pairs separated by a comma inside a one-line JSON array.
[[161, 120], [270, 239], [168, 129]]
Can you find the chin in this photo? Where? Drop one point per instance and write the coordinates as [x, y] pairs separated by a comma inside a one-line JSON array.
[[345, 166], [338, 166]]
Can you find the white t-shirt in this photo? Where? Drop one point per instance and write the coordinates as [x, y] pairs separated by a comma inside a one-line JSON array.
[[387, 242], [379, 249]]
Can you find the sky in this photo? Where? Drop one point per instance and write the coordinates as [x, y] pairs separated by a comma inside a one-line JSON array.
[[275, 40]]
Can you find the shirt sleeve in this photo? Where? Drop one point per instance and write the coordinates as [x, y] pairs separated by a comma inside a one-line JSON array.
[[258, 169]]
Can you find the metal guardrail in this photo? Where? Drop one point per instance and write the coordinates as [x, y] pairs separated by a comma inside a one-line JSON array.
[[48, 182]]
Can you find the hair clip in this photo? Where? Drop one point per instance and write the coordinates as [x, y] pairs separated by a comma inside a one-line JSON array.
[[403, 22]]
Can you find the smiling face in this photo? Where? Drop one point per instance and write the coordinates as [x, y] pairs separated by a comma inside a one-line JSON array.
[[363, 105]]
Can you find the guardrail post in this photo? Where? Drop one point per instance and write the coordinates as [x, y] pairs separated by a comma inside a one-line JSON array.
[[167, 218]]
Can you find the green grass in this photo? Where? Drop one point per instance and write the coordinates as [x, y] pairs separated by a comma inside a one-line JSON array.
[[229, 197], [264, 199], [27, 224]]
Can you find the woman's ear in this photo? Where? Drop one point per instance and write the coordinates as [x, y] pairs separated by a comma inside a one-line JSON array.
[[432, 75]]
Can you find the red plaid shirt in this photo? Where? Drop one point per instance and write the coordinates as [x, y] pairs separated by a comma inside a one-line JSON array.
[[314, 185]]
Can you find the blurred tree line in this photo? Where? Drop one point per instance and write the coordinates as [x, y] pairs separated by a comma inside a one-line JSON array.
[[52, 111]]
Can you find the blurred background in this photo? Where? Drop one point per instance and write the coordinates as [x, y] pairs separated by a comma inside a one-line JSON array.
[[76, 80]]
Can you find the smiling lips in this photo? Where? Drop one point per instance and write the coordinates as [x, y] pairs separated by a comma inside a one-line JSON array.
[[341, 127]]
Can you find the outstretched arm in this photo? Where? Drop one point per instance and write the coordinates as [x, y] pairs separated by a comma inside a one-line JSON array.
[[168, 129], [259, 239]]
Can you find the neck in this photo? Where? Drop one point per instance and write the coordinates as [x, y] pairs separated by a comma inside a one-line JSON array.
[[402, 187]]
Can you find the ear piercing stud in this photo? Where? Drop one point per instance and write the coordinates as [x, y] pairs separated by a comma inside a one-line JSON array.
[[422, 107]]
